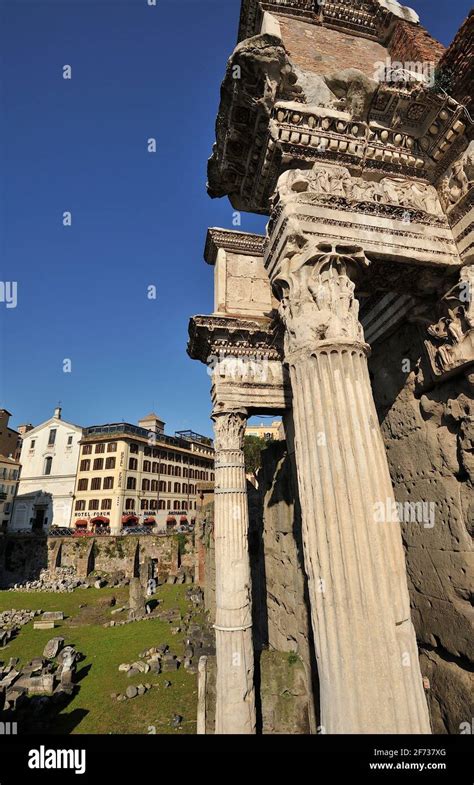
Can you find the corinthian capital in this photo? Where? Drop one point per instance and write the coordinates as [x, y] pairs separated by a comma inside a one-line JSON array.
[[315, 285], [229, 429]]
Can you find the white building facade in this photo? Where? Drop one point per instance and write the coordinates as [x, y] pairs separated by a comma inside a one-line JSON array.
[[49, 458]]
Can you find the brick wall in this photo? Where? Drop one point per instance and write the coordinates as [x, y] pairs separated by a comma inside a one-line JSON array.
[[322, 51], [458, 60], [411, 42]]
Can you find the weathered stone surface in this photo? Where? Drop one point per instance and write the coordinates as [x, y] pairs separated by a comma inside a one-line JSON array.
[[285, 704], [425, 435], [136, 600], [53, 647]]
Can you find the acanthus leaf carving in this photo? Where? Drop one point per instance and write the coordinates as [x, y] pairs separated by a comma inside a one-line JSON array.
[[317, 301], [229, 429]]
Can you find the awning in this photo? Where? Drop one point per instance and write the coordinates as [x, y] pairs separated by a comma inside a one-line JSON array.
[[170, 519], [149, 521], [129, 519], [183, 519], [100, 519], [81, 523]]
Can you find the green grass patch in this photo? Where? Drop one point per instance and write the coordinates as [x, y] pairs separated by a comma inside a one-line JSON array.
[[91, 709]]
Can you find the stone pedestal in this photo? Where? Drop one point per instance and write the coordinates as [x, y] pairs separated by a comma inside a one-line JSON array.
[[365, 643], [235, 707]]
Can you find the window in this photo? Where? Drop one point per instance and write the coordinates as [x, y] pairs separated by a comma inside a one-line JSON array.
[[161, 504], [168, 504], [177, 487], [95, 484], [108, 483], [98, 464], [169, 487], [112, 447], [106, 504], [69, 440], [82, 485], [155, 467], [185, 488], [177, 471], [185, 472], [129, 504], [133, 464], [131, 483], [147, 451], [176, 505], [85, 466], [87, 449], [156, 453], [162, 486], [100, 448], [146, 466], [154, 486], [80, 504], [191, 474], [52, 437], [110, 463], [170, 469], [145, 485], [32, 444], [153, 504], [48, 465], [144, 504], [134, 448], [94, 504]]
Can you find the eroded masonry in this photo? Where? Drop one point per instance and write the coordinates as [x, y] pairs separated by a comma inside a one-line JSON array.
[[349, 126]]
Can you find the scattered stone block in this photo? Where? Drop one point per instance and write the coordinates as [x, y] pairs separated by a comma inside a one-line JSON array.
[[43, 625], [131, 692], [53, 616], [53, 647], [169, 663]]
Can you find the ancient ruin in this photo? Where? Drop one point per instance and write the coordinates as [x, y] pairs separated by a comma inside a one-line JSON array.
[[349, 126]]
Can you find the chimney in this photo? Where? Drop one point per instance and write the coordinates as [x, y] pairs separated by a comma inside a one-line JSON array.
[[22, 429], [57, 412]]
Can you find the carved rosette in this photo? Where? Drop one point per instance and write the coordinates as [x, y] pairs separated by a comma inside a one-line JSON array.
[[315, 286], [450, 346]]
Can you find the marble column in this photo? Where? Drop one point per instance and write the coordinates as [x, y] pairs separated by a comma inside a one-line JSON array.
[[235, 695], [366, 650]]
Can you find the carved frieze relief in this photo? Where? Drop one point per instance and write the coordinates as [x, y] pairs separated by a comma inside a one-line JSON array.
[[450, 345], [336, 181]]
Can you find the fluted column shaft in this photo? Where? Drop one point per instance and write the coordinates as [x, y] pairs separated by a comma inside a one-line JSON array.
[[235, 699], [366, 650]]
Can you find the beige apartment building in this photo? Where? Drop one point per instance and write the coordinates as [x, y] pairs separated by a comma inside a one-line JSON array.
[[9, 478], [132, 474], [267, 431]]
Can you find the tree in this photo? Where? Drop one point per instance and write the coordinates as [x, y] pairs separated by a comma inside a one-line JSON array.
[[253, 447]]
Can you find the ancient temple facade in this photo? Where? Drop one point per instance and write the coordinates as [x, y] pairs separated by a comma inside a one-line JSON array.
[[352, 317]]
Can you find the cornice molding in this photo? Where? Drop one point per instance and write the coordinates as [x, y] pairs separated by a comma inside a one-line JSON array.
[[238, 242]]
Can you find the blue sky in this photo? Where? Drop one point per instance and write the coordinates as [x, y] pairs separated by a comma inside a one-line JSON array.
[[138, 219]]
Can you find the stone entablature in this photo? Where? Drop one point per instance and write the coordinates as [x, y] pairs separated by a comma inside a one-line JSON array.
[[266, 122], [369, 18]]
